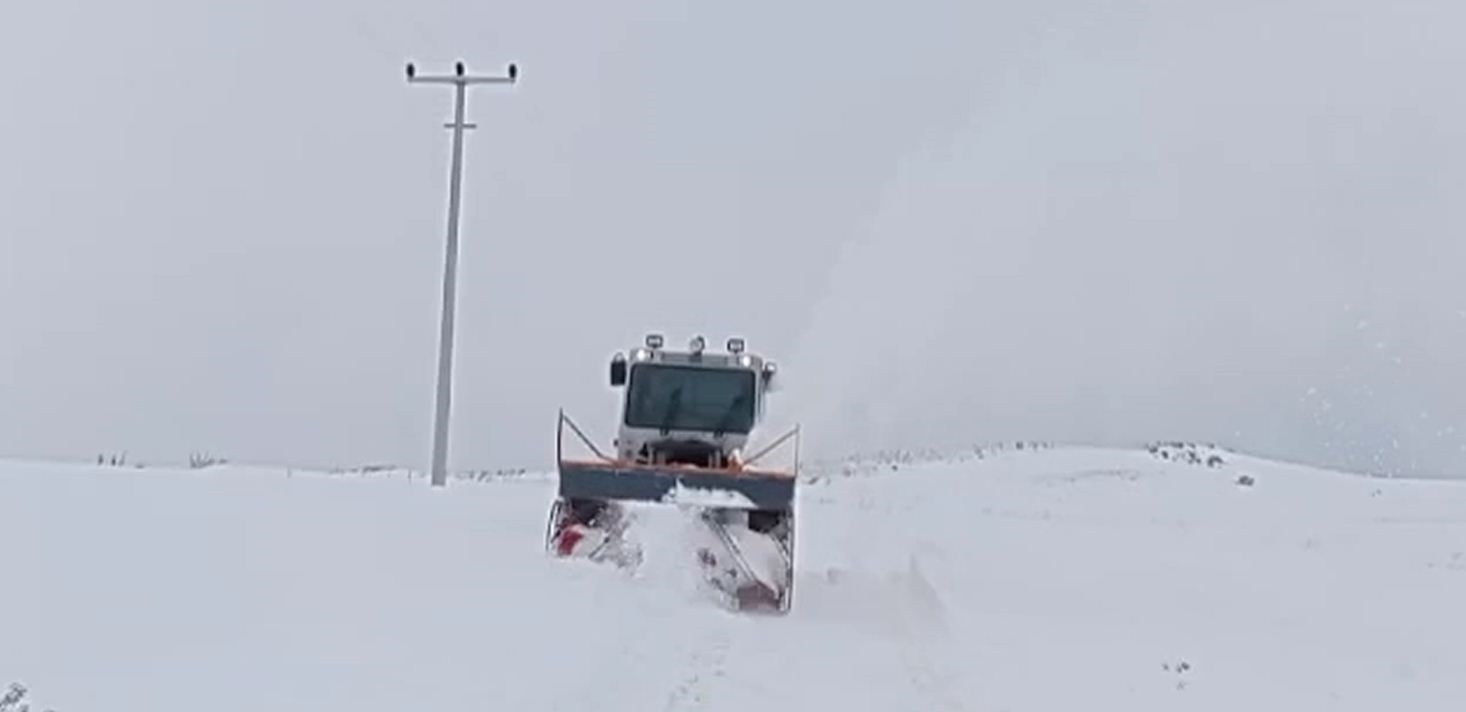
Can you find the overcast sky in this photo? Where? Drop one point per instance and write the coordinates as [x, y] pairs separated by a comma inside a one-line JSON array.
[[221, 224]]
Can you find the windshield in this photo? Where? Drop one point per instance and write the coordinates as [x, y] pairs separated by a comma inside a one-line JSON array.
[[689, 398]]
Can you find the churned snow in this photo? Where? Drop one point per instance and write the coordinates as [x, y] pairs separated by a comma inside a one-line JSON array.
[[681, 494], [1037, 580]]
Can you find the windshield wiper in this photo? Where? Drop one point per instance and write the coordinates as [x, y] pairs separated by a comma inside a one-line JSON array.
[[672, 409], [729, 413]]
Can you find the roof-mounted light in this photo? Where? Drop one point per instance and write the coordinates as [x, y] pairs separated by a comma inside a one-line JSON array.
[[654, 341], [745, 361], [735, 345], [641, 354], [697, 344]]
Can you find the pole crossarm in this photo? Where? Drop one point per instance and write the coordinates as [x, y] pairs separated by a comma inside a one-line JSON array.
[[460, 75], [460, 80], [450, 79]]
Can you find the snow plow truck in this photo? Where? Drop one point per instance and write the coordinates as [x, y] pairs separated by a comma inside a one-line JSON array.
[[686, 419]]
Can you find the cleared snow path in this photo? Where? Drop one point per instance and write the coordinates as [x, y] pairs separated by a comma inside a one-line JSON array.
[[1049, 580]]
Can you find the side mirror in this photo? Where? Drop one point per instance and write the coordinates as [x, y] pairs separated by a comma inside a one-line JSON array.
[[769, 370], [618, 370]]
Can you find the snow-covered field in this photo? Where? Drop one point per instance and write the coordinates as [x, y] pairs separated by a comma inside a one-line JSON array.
[[1053, 580]]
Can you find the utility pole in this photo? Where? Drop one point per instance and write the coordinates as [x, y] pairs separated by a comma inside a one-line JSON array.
[[460, 82]]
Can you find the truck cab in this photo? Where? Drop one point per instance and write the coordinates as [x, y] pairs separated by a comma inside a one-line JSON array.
[[689, 407]]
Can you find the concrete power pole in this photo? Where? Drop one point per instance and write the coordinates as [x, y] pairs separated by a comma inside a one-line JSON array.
[[460, 82]]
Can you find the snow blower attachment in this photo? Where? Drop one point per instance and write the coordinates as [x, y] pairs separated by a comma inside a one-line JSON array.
[[686, 417]]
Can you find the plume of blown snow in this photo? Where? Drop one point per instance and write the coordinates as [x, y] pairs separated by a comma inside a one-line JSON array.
[[1231, 223]]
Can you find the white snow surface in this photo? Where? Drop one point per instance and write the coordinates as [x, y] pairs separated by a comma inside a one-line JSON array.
[[1052, 580]]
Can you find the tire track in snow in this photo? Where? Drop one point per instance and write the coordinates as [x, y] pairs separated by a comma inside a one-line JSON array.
[[932, 685], [922, 622], [707, 665]]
